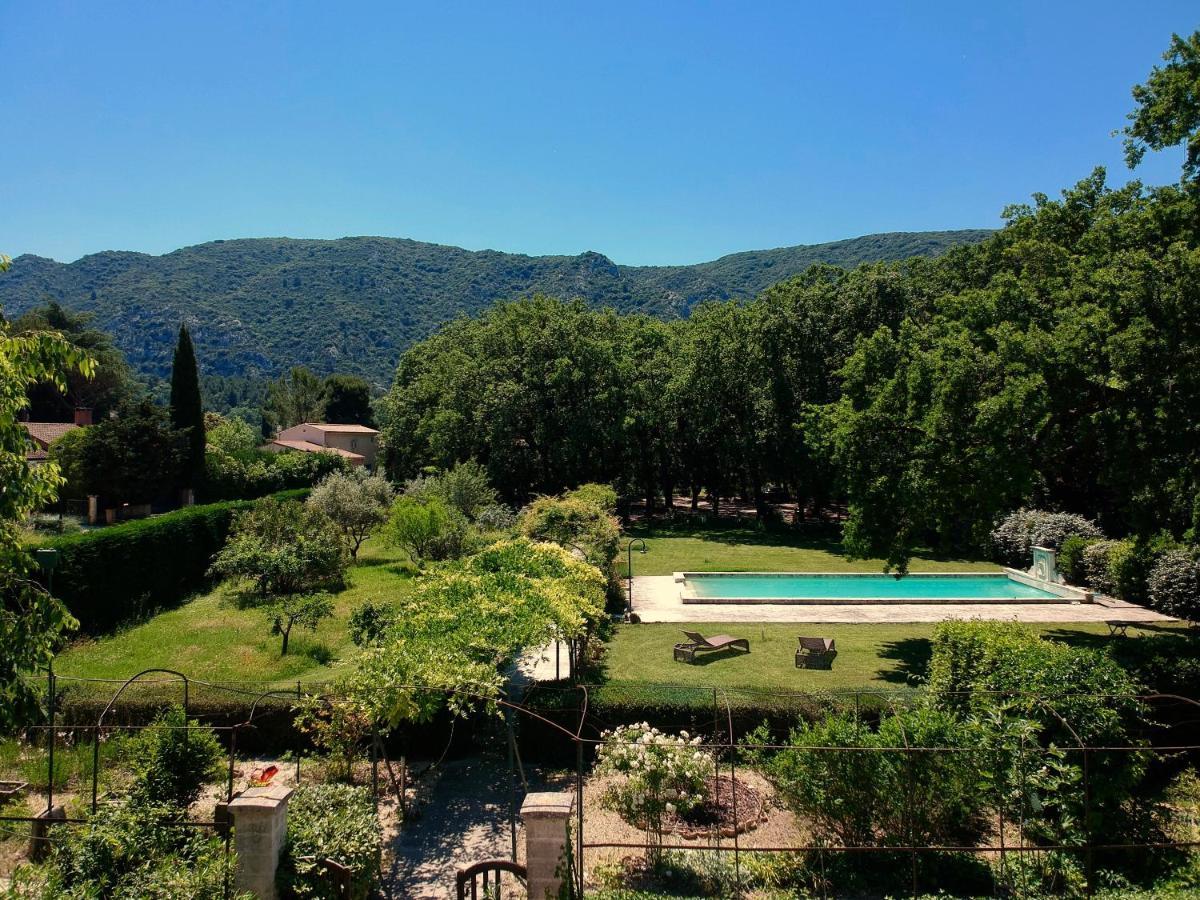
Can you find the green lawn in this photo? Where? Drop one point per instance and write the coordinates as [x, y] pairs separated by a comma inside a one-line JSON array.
[[212, 639], [873, 657], [747, 550]]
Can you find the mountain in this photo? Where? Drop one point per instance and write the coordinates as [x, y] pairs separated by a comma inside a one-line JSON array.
[[256, 306]]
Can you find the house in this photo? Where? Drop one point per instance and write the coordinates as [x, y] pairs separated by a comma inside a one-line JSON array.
[[43, 434], [357, 443]]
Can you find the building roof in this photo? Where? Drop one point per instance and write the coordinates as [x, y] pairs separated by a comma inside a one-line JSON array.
[[46, 433], [310, 447], [349, 429]]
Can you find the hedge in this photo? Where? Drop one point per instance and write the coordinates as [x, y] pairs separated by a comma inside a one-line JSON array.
[[123, 572]]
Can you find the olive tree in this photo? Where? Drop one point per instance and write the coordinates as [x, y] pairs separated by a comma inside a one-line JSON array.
[[356, 501]]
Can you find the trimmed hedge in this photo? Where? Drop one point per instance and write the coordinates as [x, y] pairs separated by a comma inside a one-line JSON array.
[[112, 575]]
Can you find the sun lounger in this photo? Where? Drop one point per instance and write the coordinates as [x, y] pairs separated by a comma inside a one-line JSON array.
[[696, 642], [815, 653]]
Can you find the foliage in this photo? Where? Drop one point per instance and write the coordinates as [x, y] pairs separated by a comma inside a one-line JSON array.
[[232, 436], [1097, 565], [133, 457], [187, 410], [105, 387], [67, 454], [112, 575], [1017, 533], [1071, 558], [356, 501], [657, 774], [1175, 584], [125, 852], [299, 396], [465, 487], [466, 619], [292, 610], [31, 621], [497, 518], [330, 821], [575, 521], [370, 621], [427, 529], [867, 795], [246, 475], [282, 550], [348, 401], [338, 727], [1168, 107], [173, 758]]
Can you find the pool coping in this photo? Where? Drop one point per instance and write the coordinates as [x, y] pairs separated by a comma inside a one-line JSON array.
[[1063, 593]]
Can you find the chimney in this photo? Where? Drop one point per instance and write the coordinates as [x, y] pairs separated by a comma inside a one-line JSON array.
[[83, 416]]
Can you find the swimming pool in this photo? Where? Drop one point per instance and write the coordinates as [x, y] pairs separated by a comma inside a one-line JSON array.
[[800, 587]]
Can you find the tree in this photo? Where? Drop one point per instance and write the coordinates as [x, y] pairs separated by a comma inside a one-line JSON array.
[[303, 610], [1168, 107], [348, 400], [415, 526], [31, 621], [355, 501], [110, 383], [133, 457], [299, 396], [233, 436], [187, 410], [283, 548]]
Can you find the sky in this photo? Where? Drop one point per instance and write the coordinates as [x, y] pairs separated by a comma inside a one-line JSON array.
[[653, 132]]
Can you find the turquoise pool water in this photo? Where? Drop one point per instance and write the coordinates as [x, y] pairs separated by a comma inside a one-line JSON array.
[[849, 587]]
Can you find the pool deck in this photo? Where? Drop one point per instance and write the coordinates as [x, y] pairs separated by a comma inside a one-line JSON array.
[[656, 599]]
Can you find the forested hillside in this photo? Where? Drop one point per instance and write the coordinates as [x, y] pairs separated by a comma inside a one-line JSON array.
[[257, 307]]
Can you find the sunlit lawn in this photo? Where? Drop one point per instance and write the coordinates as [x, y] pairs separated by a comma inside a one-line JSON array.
[[808, 549], [211, 638], [871, 657]]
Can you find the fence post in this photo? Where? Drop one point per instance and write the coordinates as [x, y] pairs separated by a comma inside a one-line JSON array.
[[259, 831], [546, 817], [50, 754]]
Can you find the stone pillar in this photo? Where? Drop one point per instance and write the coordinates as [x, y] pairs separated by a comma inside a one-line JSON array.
[[39, 842], [259, 828], [93, 509], [546, 816]]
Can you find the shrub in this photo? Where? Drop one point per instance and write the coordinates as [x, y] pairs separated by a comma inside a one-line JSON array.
[[1131, 563], [112, 575], [1174, 584], [369, 621], [427, 529], [1070, 558], [656, 773], [1017, 533], [865, 798], [247, 475], [330, 821], [125, 851], [338, 727], [497, 517], [1097, 565], [172, 760]]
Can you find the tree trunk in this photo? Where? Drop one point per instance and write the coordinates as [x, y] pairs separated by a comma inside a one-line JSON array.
[[287, 633], [695, 498]]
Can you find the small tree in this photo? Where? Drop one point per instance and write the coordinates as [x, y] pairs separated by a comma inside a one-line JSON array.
[[283, 548], [173, 758], [356, 502], [299, 396], [416, 526], [303, 610], [339, 727], [466, 488]]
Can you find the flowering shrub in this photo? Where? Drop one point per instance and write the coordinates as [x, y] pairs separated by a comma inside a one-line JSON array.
[[1097, 566], [658, 774], [1175, 584], [1017, 533]]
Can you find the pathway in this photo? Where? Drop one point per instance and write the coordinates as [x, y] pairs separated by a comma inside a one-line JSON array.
[[465, 820], [656, 599]]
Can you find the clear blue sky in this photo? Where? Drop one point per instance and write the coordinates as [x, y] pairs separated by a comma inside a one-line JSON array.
[[653, 132]]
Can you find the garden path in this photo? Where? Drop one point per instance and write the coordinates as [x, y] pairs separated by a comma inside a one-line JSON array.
[[464, 820]]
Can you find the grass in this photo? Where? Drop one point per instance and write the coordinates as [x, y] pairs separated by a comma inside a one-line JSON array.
[[808, 549], [871, 657], [212, 639]]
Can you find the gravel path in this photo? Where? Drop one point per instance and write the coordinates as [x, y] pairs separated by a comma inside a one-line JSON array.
[[465, 820]]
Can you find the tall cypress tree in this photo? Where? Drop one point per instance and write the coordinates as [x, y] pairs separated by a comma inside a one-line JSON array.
[[187, 411]]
